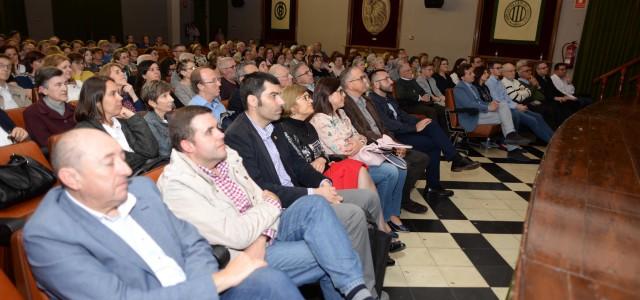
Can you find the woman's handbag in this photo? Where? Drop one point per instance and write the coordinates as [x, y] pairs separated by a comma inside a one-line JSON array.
[[23, 178]]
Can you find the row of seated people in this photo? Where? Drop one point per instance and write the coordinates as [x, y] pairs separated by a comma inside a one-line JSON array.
[[106, 89], [102, 103]]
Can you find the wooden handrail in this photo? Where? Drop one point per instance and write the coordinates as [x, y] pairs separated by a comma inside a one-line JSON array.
[[622, 69], [618, 69]]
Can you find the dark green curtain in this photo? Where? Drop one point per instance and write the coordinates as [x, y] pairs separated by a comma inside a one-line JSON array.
[[13, 17], [610, 37]]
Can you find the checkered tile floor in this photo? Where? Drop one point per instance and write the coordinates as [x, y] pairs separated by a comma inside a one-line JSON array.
[[466, 246]]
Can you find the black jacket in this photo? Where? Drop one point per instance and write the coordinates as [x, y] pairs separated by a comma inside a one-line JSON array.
[[400, 123], [138, 135], [243, 137]]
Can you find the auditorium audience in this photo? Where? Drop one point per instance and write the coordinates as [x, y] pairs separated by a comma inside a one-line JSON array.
[[424, 135], [443, 80], [156, 94], [9, 132], [77, 67], [11, 95], [521, 114], [452, 75], [288, 175], [52, 114], [428, 84], [32, 62], [147, 70], [64, 64], [17, 67], [207, 185], [206, 84], [100, 107], [562, 82], [115, 238], [130, 99], [475, 111], [183, 90], [415, 100], [303, 76], [282, 74], [362, 113], [227, 68]]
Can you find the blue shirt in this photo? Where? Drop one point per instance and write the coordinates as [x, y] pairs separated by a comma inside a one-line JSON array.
[[498, 92], [216, 106], [265, 135]]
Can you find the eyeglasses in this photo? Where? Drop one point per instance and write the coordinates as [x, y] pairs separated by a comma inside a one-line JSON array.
[[306, 97], [215, 80], [305, 73], [6, 67], [363, 78], [384, 79]]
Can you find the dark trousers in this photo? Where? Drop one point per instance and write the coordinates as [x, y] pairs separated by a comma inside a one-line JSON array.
[[430, 110], [432, 141], [417, 163]]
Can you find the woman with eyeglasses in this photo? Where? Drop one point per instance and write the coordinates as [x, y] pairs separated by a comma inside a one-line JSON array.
[[183, 90], [345, 173], [443, 81], [338, 137], [130, 99], [100, 107]]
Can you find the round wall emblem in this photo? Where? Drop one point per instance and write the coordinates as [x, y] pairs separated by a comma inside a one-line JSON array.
[[375, 15], [517, 13], [280, 10]]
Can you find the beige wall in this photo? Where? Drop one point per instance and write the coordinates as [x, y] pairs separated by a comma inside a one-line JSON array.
[[446, 31], [420, 27], [323, 21], [569, 27]]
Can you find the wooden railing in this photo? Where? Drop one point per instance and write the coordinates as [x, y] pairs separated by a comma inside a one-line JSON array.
[[622, 70]]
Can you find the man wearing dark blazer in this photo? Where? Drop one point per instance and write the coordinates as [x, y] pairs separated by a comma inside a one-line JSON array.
[[424, 135], [273, 165], [114, 239]]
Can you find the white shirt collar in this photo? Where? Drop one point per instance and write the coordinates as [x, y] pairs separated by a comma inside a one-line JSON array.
[[124, 209]]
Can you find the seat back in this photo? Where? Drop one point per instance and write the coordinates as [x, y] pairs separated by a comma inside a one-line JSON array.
[[52, 142], [32, 150], [16, 115], [9, 291], [25, 282], [155, 173], [450, 104]]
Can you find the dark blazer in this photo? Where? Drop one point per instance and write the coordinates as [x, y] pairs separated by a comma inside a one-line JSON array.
[[408, 92], [402, 123], [80, 258], [243, 137], [43, 122], [138, 135]]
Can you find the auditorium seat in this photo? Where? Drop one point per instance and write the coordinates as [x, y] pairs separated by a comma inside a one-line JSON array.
[[11, 217], [25, 282], [8, 290], [155, 173], [16, 115], [32, 150], [482, 130]]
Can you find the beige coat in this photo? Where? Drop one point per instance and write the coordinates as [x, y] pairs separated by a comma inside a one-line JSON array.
[[18, 94], [192, 196]]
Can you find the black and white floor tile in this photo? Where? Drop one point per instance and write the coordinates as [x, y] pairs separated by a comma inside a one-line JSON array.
[[466, 246]]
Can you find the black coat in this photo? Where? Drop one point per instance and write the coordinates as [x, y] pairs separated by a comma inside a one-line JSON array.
[[243, 137], [138, 135]]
